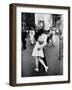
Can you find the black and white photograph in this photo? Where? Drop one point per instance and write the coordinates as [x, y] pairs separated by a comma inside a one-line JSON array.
[[40, 44]]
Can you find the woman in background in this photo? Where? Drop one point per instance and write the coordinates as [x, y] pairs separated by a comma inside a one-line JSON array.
[[32, 39]]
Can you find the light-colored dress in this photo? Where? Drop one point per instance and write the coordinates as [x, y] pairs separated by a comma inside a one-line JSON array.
[[38, 48], [32, 33]]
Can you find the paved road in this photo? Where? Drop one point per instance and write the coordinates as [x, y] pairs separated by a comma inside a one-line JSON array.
[[52, 54]]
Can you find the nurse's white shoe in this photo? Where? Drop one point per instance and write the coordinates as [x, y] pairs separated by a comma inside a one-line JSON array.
[[46, 68], [36, 69]]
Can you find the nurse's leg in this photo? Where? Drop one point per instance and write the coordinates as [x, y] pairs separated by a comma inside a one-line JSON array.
[[42, 62], [36, 64], [44, 58]]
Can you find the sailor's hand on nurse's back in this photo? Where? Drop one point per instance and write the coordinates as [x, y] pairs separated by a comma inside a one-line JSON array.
[[40, 42], [39, 49]]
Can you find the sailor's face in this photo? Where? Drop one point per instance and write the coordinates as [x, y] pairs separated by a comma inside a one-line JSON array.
[[41, 25]]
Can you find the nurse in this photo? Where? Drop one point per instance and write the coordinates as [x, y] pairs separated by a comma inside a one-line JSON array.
[[38, 52]]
